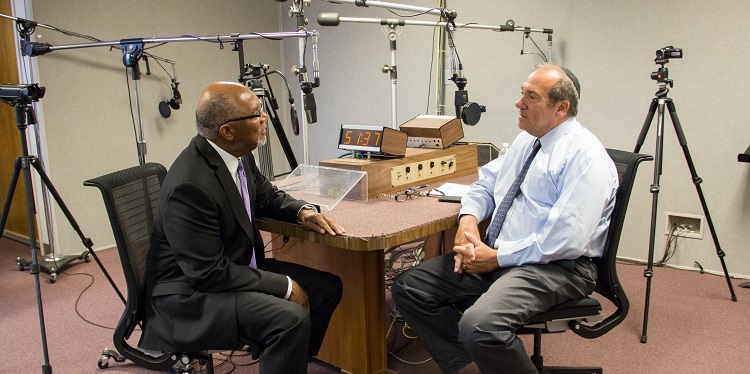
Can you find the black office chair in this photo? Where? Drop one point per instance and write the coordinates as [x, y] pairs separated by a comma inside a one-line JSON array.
[[572, 314], [131, 197]]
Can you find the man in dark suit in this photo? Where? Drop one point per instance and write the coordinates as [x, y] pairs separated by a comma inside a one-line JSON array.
[[209, 285]]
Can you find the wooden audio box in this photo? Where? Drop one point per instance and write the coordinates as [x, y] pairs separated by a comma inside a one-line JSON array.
[[437, 132]]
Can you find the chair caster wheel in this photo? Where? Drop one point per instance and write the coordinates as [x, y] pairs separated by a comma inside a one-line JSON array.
[[102, 363]]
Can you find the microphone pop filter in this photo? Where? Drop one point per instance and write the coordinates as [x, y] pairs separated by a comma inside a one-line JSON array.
[[295, 120]]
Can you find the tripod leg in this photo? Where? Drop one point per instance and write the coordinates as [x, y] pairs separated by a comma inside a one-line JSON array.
[[697, 181], [11, 191], [86, 241], [646, 125], [649, 272], [30, 214]]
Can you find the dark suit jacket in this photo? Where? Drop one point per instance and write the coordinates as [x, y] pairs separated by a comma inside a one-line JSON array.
[[200, 251]]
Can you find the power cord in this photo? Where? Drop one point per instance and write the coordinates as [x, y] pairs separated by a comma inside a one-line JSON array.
[[78, 299]]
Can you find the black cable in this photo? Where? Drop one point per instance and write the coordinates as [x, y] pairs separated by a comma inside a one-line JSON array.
[[78, 299], [432, 64], [271, 241], [415, 14], [527, 35]]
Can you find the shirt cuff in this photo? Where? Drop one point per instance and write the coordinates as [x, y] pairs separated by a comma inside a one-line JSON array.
[[306, 206], [289, 289]]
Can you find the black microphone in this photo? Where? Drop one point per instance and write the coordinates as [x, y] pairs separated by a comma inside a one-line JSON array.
[[165, 107], [328, 19], [311, 110]]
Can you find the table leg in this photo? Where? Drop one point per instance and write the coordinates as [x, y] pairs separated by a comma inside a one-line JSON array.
[[355, 340]]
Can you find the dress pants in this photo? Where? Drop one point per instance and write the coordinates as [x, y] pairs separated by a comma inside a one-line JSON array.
[[430, 297], [285, 331]]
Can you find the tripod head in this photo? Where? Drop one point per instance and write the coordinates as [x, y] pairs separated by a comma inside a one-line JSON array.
[[20, 97], [255, 72], [661, 76]]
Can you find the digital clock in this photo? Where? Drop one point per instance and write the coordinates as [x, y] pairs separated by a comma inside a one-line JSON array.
[[375, 139]]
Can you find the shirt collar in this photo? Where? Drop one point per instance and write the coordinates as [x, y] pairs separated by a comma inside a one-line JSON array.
[[549, 139], [229, 160]]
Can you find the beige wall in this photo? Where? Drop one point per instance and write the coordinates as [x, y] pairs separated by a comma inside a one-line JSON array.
[[86, 116], [610, 45]]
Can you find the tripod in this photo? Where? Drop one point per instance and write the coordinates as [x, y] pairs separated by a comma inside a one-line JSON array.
[[252, 75], [21, 97], [658, 105]]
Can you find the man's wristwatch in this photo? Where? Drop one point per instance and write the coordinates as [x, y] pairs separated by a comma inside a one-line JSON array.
[[304, 207]]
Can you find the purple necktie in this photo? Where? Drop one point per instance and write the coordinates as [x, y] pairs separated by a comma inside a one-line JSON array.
[[246, 199], [494, 229]]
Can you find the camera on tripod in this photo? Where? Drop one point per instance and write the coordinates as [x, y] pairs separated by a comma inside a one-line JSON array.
[[662, 74], [668, 52], [25, 93]]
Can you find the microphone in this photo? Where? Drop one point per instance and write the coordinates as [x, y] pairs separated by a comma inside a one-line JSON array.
[[311, 110], [165, 107], [308, 98], [328, 19]]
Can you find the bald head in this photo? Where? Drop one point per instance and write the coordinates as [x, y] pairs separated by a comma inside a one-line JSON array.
[[230, 115], [566, 88], [219, 102]]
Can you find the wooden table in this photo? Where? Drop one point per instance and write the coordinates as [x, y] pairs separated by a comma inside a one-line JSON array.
[[356, 340]]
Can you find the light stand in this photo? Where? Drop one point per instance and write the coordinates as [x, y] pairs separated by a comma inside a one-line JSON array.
[[658, 105]]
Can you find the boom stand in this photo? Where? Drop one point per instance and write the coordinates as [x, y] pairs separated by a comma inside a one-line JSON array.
[[657, 105]]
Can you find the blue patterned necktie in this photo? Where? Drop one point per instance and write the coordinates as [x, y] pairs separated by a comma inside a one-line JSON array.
[[494, 229], [246, 199]]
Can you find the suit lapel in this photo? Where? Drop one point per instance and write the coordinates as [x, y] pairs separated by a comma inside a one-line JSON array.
[[227, 185]]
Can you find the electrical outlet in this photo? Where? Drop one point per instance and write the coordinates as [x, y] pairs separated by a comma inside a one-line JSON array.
[[688, 225]]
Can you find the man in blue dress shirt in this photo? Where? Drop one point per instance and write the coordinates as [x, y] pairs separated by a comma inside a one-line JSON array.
[[537, 251]]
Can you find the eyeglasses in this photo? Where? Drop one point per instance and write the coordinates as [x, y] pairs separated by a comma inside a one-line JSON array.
[[246, 117], [408, 194]]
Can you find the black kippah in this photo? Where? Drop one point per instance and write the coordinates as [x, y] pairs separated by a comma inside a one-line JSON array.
[[574, 79]]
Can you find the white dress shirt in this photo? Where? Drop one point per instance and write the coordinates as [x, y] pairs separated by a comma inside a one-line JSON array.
[[565, 203]]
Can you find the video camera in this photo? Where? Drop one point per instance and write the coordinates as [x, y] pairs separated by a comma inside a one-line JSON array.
[[25, 93], [668, 52]]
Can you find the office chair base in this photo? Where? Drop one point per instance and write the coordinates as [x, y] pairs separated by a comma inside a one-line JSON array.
[[108, 354], [190, 363]]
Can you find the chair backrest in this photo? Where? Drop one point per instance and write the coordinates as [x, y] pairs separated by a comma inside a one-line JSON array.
[[131, 197], [608, 284]]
